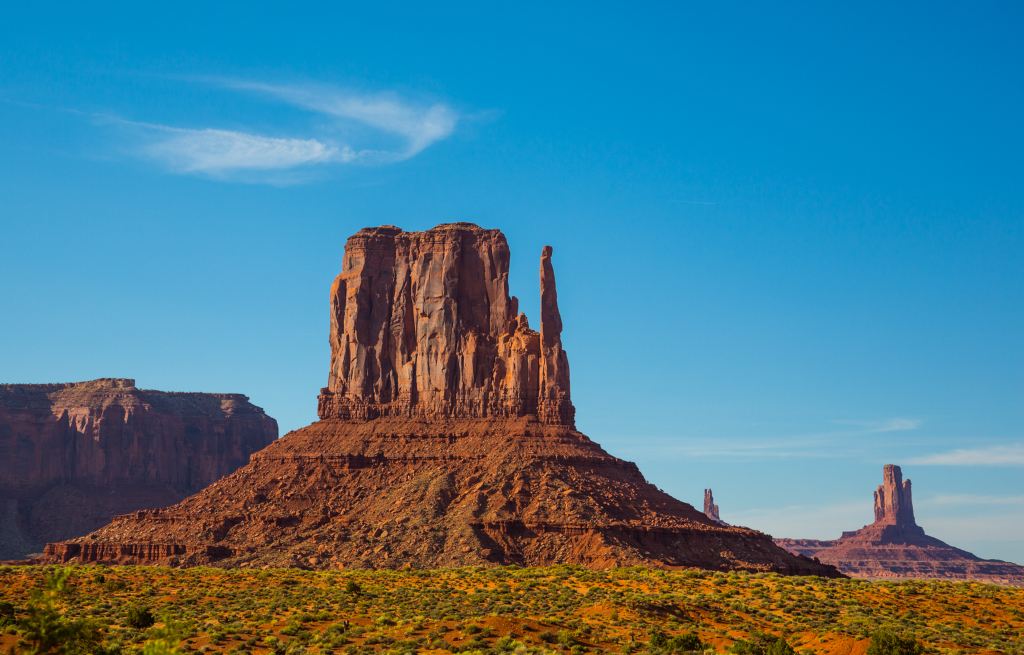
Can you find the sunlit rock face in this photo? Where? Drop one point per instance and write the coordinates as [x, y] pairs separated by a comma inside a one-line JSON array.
[[422, 325], [72, 456]]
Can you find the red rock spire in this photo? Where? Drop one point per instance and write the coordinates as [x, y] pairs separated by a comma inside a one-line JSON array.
[[893, 502], [554, 405], [710, 508]]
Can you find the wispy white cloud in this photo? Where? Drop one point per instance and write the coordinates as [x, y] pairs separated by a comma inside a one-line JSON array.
[[740, 449], [380, 128], [996, 455], [217, 152], [897, 424], [419, 125], [821, 445], [970, 500]]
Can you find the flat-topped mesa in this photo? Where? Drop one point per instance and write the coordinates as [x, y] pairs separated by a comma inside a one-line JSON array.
[[74, 455], [422, 325], [893, 502]]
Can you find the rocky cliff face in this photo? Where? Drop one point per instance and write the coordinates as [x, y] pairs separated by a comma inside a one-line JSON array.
[[422, 325], [893, 502], [446, 438], [710, 508], [894, 546], [74, 455]]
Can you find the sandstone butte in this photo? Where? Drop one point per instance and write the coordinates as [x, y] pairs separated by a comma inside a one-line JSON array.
[[894, 546], [73, 456], [446, 438]]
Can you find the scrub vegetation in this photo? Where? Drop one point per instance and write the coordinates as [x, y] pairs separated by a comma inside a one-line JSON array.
[[98, 609]]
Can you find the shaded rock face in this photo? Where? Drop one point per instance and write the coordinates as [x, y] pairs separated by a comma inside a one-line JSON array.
[[894, 546], [446, 439], [72, 456], [422, 325], [710, 508]]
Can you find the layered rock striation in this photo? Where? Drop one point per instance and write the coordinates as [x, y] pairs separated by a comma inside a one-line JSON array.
[[446, 438], [72, 456], [894, 546]]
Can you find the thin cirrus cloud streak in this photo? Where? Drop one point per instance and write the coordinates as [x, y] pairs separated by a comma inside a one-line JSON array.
[[971, 500], [823, 445], [998, 455], [390, 128], [898, 424], [216, 152], [420, 126]]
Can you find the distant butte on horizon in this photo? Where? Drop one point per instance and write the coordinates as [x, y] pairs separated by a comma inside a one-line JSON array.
[[446, 438], [75, 455], [895, 546]]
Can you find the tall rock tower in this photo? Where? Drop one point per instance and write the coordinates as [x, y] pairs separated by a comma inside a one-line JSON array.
[[893, 502], [422, 325], [710, 508]]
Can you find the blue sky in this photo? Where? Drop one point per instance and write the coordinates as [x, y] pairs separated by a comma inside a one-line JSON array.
[[787, 239]]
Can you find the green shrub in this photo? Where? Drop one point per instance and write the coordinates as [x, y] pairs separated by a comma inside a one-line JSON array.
[[139, 618], [688, 643], [761, 644], [888, 642], [46, 630], [6, 614], [158, 647], [567, 639]]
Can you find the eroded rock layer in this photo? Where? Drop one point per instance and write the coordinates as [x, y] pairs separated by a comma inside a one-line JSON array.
[[73, 456], [446, 438], [392, 492], [894, 546]]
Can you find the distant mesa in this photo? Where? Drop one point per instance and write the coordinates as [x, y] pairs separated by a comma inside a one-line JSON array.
[[73, 456], [894, 546], [446, 438]]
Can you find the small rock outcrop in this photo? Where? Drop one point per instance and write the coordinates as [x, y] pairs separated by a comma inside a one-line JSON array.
[[446, 438], [894, 546], [72, 456]]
